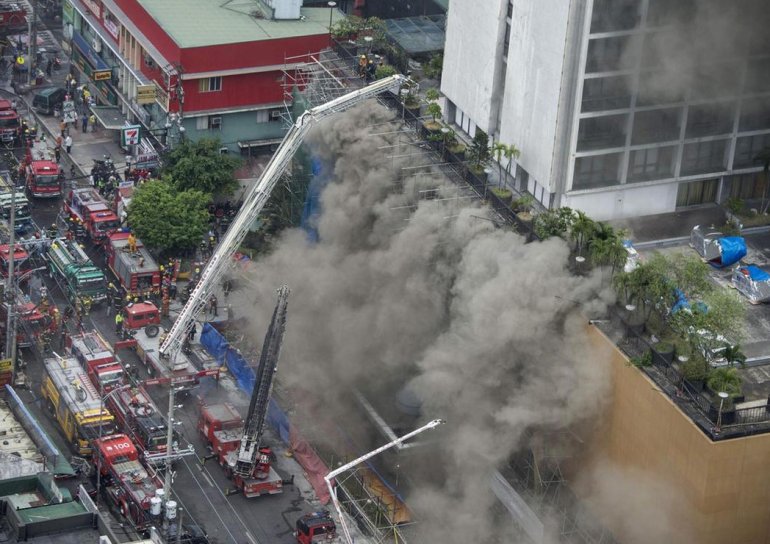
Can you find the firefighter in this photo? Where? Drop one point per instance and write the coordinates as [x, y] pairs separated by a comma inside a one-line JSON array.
[[118, 323], [131, 242], [213, 305], [362, 66]]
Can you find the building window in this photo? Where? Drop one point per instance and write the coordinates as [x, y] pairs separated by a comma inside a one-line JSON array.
[[658, 87], [666, 12], [596, 171], [758, 76], [715, 80], [202, 123], [747, 186], [611, 54], [215, 122], [755, 114], [263, 116], [747, 149], [602, 132], [653, 163], [210, 84], [656, 126], [605, 93], [694, 193], [612, 15], [710, 119], [703, 157]]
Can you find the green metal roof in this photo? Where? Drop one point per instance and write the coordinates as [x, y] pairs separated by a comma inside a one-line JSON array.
[[197, 23]]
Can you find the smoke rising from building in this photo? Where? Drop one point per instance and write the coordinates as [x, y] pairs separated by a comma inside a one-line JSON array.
[[487, 330]]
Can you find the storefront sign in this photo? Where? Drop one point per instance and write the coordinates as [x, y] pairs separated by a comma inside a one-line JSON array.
[[101, 75], [94, 6], [88, 52], [145, 94], [129, 136], [5, 365]]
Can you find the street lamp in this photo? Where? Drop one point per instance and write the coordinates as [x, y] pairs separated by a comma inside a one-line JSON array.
[[722, 397], [333, 490], [331, 5]]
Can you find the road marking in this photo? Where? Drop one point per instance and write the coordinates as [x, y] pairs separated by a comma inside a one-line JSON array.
[[251, 538], [208, 479]]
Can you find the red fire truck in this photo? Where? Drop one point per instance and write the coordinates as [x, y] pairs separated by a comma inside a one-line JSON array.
[[13, 18], [9, 124], [32, 321], [139, 417], [88, 207], [136, 271], [97, 358], [315, 528], [44, 179], [21, 263], [130, 487]]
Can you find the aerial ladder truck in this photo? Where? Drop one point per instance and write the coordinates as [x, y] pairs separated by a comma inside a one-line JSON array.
[[254, 201], [245, 459]]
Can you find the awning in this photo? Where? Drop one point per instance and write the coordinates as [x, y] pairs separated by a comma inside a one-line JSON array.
[[259, 143], [110, 117]]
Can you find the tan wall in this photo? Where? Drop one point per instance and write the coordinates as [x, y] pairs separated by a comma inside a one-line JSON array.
[[652, 476]]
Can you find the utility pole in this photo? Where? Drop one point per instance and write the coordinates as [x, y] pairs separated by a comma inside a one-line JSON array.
[[10, 291], [32, 45]]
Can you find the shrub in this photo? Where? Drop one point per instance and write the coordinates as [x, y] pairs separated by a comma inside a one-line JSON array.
[[384, 70]]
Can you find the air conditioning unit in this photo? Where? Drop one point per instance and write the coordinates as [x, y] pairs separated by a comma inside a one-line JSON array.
[[224, 150], [97, 45], [215, 123], [275, 114]]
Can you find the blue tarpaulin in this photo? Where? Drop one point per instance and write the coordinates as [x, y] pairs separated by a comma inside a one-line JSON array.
[[244, 375], [733, 250], [757, 274], [312, 209]]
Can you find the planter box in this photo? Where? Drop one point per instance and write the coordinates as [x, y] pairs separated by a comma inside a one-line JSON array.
[[666, 355]]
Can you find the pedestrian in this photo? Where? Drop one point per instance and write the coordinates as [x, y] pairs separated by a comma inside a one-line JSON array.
[[118, 323], [57, 153], [92, 122], [213, 305], [68, 144], [49, 67], [191, 332], [227, 286], [131, 242], [84, 121], [62, 127]]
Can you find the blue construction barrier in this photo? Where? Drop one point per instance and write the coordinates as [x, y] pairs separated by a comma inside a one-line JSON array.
[[219, 348], [312, 208]]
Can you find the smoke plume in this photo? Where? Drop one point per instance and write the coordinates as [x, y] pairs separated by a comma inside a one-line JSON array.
[[487, 330]]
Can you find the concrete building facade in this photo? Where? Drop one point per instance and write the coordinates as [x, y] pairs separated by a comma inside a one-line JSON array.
[[620, 108], [195, 68]]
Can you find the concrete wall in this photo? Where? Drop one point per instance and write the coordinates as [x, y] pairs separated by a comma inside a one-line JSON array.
[[536, 60], [652, 476], [625, 201], [472, 37]]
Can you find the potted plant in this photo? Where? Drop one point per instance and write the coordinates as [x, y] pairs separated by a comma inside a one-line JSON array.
[[479, 154], [724, 380], [523, 207], [665, 350], [695, 371], [505, 195]]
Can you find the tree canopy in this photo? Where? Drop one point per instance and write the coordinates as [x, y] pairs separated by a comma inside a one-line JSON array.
[[167, 219], [200, 166]]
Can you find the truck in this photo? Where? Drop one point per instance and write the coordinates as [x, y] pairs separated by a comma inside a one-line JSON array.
[[137, 271], [80, 278], [139, 417], [179, 371], [237, 444], [10, 122], [44, 178], [130, 487], [30, 320], [21, 262], [86, 206], [22, 218], [75, 404], [315, 528], [95, 355]]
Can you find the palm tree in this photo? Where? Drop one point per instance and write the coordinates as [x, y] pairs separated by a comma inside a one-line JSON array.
[[498, 150], [764, 158], [733, 354], [511, 152], [582, 229], [606, 247], [725, 379]]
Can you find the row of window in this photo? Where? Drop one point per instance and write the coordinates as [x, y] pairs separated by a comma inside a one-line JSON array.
[[664, 125], [214, 122], [660, 162]]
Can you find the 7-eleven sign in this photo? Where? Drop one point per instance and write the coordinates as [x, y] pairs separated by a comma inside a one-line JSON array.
[[129, 136]]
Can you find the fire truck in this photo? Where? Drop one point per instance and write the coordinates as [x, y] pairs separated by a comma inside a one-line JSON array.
[[130, 487], [137, 272], [87, 206], [31, 322], [81, 277], [315, 528], [44, 178], [139, 417], [22, 218], [75, 404], [21, 263], [9, 126], [236, 443], [95, 355], [12, 18]]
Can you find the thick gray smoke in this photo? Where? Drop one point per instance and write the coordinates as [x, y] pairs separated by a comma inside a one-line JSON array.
[[487, 330]]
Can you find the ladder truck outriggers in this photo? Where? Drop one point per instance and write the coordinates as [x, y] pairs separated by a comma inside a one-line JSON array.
[[254, 201], [240, 450]]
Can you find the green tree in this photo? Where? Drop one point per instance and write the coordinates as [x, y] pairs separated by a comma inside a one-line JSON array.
[[384, 70], [606, 247], [764, 158], [725, 379], [434, 110], [511, 152], [166, 219], [479, 150], [581, 230], [199, 165], [733, 354], [498, 151], [432, 95]]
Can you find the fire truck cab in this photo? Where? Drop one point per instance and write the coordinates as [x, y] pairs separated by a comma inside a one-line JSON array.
[[88, 207], [222, 426], [9, 125], [141, 314], [95, 355], [316, 527], [21, 264], [44, 179]]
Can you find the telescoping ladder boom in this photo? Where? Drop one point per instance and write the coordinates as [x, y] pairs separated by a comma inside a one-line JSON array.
[[256, 199], [263, 386]]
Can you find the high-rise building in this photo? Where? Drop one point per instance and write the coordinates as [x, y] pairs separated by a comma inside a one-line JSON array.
[[619, 107]]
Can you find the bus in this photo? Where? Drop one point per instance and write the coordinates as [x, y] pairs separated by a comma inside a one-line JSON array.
[[75, 404]]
